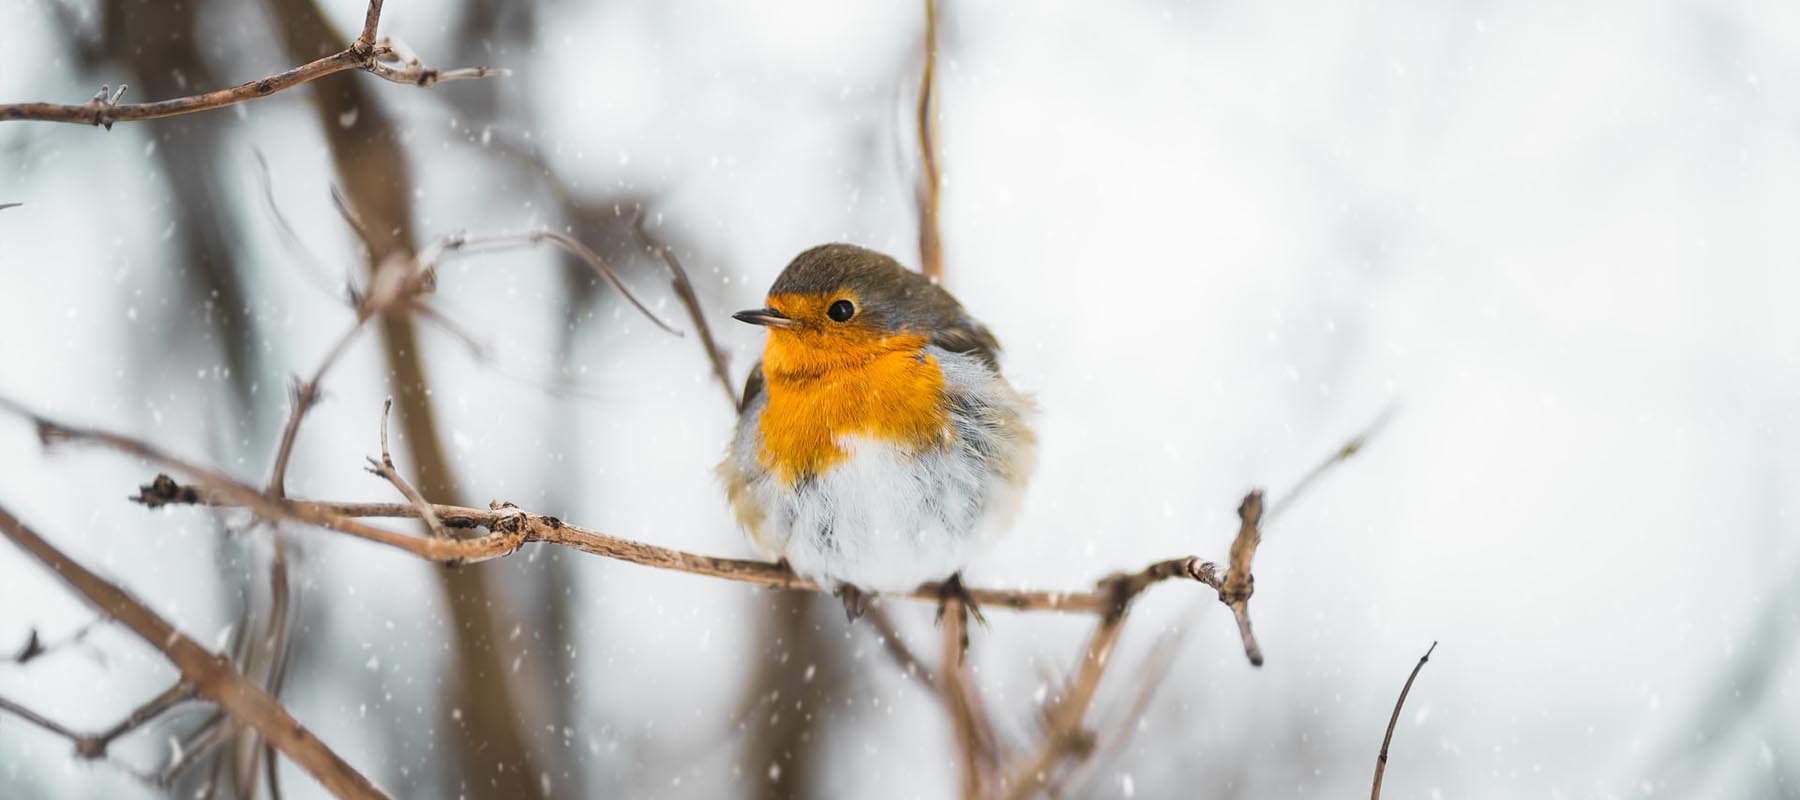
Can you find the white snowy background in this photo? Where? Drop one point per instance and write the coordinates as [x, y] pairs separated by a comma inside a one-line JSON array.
[[1216, 238]]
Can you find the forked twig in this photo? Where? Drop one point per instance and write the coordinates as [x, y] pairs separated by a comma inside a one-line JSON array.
[[385, 468]]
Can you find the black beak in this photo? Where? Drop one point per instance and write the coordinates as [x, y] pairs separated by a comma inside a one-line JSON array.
[[767, 317]]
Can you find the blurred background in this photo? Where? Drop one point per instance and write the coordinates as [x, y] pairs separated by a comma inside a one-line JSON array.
[[1217, 240]]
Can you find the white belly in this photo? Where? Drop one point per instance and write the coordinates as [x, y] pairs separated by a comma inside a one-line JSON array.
[[887, 520]]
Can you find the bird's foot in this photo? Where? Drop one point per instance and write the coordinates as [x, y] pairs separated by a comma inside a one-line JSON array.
[[953, 590], [856, 601]]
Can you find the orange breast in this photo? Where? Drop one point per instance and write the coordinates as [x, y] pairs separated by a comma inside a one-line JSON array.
[[887, 389]]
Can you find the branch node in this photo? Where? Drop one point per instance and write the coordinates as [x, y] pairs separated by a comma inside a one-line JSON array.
[[163, 491]]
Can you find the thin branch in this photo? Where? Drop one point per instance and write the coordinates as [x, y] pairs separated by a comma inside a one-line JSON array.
[[385, 58], [35, 647], [1239, 582], [386, 469], [510, 527], [315, 270], [1381, 760], [95, 746], [684, 289], [1065, 735], [931, 246], [211, 675], [1065, 728], [977, 751], [393, 283], [371, 19], [1151, 675], [581, 251], [37, 719], [1339, 456], [910, 664], [4, 206]]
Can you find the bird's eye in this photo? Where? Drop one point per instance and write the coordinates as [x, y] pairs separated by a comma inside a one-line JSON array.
[[841, 311]]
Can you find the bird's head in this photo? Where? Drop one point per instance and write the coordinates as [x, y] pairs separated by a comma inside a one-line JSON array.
[[837, 305]]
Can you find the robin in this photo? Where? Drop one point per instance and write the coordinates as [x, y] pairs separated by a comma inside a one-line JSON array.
[[878, 447]]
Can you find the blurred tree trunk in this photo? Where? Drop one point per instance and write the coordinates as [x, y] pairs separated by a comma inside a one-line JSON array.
[[783, 727], [372, 169], [160, 51], [158, 45]]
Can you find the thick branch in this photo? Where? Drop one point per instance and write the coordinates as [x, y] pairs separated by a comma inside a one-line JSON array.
[[387, 59], [212, 676]]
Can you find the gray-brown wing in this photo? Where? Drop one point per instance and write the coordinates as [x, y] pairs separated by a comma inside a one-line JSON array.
[[753, 386], [969, 336]]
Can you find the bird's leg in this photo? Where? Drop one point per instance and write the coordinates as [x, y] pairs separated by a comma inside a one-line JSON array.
[[856, 601], [953, 589]]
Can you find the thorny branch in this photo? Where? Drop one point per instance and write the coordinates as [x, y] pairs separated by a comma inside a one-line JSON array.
[[1381, 760], [386, 58]]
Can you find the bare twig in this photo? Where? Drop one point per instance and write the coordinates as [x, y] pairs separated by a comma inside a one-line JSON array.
[[385, 468], [35, 647], [931, 247], [684, 289], [910, 664], [1065, 736], [1239, 582], [290, 238], [385, 58], [4, 206], [977, 751], [1381, 760], [211, 675], [1338, 456], [371, 19], [1151, 675], [1065, 732], [37, 719], [394, 282], [95, 746], [581, 251], [510, 527]]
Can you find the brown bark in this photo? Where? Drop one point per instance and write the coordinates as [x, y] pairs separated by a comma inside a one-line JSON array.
[[373, 172]]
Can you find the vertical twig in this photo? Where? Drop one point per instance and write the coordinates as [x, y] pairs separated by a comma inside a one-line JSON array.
[[931, 245], [977, 752], [1381, 760], [371, 19]]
